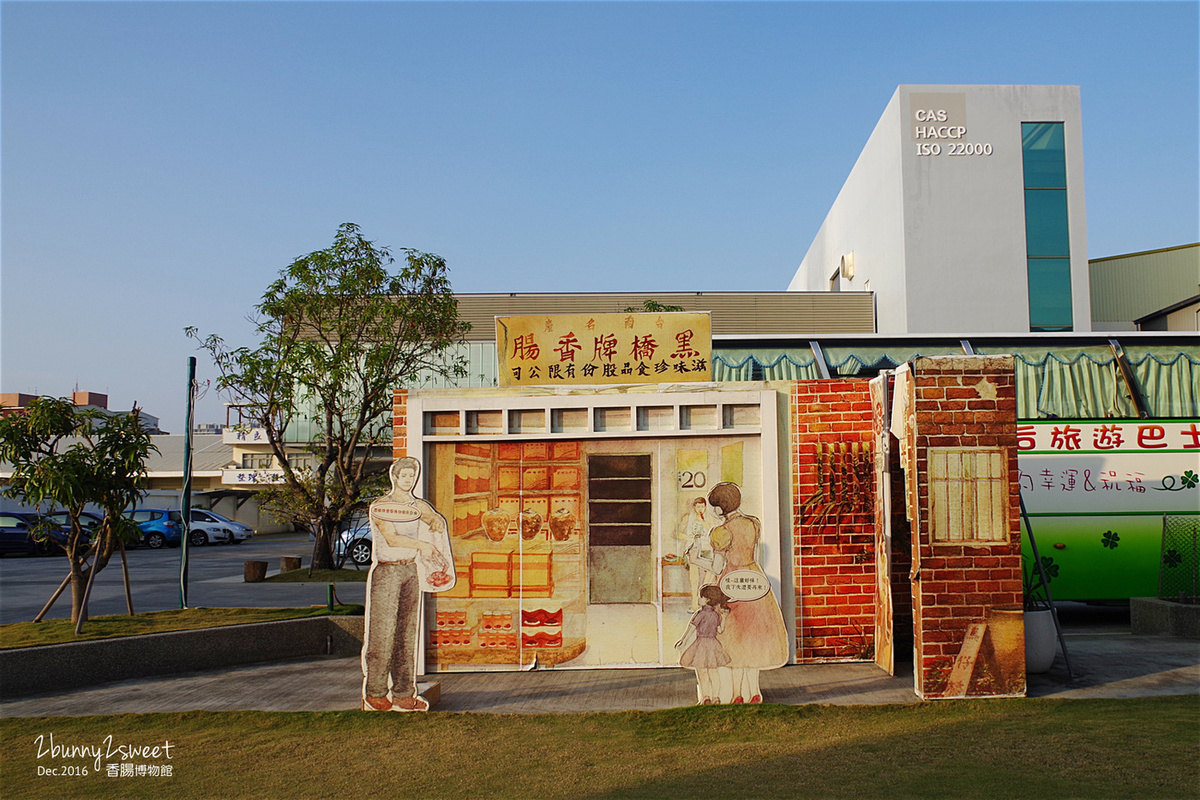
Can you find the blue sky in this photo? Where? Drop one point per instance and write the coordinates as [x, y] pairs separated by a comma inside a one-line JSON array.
[[161, 162]]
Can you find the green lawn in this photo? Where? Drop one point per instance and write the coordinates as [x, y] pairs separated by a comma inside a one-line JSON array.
[[57, 631], [1140, 748], [319, 576]]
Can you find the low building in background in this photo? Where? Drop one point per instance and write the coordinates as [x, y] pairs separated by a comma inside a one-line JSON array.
[[1181, 316], [1146, 291], [15, 403]]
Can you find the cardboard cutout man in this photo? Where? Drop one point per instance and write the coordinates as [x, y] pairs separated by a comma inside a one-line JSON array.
[[410, 554]]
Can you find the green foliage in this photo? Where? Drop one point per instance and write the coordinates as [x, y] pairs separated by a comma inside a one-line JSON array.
[[69, 458], [1035, 590], [650, 307], [338, 332]]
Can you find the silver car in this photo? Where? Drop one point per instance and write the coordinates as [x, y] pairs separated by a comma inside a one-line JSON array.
[[232, 532], [354, 543]]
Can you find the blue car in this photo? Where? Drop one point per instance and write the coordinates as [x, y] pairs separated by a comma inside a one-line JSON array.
[[16, 535], [160, 526]]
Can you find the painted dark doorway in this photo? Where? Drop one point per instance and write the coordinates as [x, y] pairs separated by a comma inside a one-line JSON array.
[[620, 542]]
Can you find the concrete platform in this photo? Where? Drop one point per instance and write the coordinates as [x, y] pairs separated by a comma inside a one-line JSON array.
[[1156, 617], [1106, 664]]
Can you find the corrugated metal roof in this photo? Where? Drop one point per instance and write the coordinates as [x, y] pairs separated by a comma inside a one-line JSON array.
[[733, 313], [209, 453]]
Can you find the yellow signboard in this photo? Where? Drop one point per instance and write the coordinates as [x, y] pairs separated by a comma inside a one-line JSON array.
[[668, 347]]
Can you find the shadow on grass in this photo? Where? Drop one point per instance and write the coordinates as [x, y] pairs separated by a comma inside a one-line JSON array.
[[988, 750]]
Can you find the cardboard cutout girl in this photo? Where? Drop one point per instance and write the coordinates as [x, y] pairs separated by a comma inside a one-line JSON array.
[[705, 654]]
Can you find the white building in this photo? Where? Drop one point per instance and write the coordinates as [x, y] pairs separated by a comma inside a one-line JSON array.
[[964, 212]]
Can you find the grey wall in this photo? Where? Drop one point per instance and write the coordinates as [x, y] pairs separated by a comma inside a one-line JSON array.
[[54, 668]]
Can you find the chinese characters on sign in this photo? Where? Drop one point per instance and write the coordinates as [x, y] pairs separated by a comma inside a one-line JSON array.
[[1108, 436], [252, 476], [240, 434], [1084, 480], [604, 349], [1109, 466]]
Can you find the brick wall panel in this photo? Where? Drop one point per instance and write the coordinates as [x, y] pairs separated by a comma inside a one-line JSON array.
[[834, 569], [958, 586]]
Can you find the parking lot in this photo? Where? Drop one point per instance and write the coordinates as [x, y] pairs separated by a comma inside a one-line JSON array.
[[215, 579]]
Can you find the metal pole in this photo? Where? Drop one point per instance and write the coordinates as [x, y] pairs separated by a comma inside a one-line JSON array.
[[1135, 388], [1037, 560], [186, 500]]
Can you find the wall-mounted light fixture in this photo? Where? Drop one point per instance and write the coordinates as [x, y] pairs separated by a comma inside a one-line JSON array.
[[847, 266]]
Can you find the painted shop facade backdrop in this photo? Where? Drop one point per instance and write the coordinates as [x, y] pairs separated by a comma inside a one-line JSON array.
[[569, 516], [871, 520]]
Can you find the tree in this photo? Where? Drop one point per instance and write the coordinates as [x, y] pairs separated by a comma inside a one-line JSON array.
[[650, 306], [338, 333], [69, 458]]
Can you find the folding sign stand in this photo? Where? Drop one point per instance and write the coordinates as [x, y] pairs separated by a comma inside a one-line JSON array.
[[1043, 583]]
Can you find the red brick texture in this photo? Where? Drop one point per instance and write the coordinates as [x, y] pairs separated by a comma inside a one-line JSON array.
[[963, 402], [399, 423], [834, 555]]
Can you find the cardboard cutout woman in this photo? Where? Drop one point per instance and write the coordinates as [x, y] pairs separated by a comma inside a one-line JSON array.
[[754, 635], [410, 554]]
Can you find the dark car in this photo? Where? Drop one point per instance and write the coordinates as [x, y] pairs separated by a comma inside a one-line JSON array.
[[17, 536], [160, 526], [89, 521]]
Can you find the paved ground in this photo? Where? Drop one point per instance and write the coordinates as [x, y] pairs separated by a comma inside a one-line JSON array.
[[1107, 661], [215, 580]]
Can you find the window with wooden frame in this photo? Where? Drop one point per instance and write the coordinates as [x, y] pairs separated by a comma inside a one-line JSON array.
[[968, 495]]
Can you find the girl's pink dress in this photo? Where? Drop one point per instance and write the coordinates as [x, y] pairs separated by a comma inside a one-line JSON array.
[[706, 652]]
